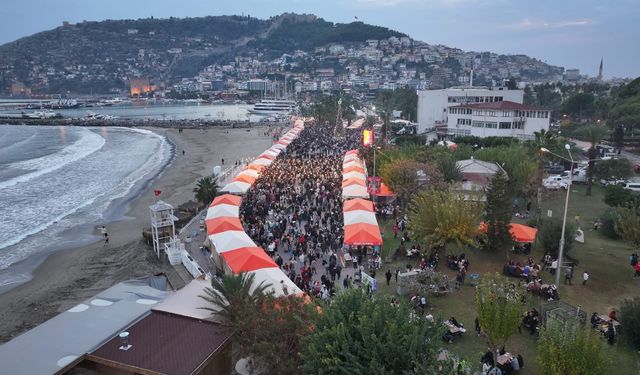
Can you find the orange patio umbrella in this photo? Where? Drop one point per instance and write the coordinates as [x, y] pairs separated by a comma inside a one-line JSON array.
[[357, 204], [384, 191], [231, 199], [519, 232], [223, 224]]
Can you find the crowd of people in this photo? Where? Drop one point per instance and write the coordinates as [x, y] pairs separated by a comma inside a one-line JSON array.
[[294, 211]]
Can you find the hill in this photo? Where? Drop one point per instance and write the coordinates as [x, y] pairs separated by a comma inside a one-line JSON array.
[[101, 57]]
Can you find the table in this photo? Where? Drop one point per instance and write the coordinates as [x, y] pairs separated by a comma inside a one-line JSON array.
[[505, 358], [606, 319]]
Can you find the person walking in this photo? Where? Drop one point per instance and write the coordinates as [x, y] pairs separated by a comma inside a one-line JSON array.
[[568, 274], [585, 277], [388, 276]]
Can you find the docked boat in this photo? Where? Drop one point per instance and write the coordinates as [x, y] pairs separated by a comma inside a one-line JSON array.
[[273, 106]]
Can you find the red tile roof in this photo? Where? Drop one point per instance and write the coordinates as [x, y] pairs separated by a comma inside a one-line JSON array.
[[166, 343], [503, 105]]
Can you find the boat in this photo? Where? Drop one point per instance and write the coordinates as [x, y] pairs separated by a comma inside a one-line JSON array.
[[273, 106], [45, 114]]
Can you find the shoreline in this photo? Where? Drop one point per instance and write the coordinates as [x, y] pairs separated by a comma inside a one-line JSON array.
[[67, 276]]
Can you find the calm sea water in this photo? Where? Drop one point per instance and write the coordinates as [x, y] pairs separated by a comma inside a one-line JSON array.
[[54, 180]]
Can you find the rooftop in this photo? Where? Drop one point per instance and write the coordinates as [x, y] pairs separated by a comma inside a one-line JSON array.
[[59, 341], [503, 105], [166, 344]]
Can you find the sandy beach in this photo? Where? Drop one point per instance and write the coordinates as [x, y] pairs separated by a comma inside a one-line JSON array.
[[72, 275]]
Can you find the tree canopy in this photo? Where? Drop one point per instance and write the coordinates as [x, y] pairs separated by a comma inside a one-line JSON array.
[[497, 215], [440, 218], [206, 189], [359, 335]]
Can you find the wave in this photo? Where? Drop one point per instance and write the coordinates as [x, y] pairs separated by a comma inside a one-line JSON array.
[[87, 144], [19, 143]]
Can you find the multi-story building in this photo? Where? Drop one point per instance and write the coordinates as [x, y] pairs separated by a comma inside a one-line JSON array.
[[496, 119], [433, 105]]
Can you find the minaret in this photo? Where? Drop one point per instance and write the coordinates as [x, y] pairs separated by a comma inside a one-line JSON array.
[[600, 71]]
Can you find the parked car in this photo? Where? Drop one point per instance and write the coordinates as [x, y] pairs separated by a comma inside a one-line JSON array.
[[633, 186], [554, 168], [613, 182], [555, 182]]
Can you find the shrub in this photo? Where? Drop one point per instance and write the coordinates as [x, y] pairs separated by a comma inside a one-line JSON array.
[[630, 320], [608, 224], [550, 233], [616, 195]]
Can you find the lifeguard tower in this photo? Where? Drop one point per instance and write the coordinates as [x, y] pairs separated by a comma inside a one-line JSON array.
[[163, 227]]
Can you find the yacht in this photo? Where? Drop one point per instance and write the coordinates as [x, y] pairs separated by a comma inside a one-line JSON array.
[[273, 106]]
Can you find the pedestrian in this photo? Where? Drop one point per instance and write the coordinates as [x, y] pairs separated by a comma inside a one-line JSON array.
[[477, 326], [554, 267], [395, 231], [388, 276], [568, 274], [222, 161], [637, 268], [585, 277], [182, 152], [397, 273], [106, 239]]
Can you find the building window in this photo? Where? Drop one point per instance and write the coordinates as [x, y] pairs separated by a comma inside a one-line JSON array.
[[491, 125], [518, 125], [478, 124], [505, 125], [492, 113], [507, 114]]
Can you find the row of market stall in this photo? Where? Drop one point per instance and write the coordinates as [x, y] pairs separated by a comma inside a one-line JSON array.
[[360, 223], [235, 251]]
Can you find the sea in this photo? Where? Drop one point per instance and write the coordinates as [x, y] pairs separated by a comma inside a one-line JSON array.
[[58, 183]]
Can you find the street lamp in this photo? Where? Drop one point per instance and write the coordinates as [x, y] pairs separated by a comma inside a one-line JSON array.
[[566, 206]]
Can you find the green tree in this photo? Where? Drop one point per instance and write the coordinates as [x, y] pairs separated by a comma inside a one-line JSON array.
[[499, 306], [497, 216], [231, 296], [449, 168], [592, 134], [516, 161], [580, 105], [441, 218], [628, 224], [206, 189], [612, 169], [512, 84], [570, 348], [616, 195], [356, 334], [256, 317], [407, 177], [630, 319], [542, 139], [551, 232]]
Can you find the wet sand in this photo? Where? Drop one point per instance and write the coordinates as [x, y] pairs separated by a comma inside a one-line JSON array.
[[70, 276]]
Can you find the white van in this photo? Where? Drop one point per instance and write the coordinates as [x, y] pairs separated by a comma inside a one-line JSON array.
[[633, 186]]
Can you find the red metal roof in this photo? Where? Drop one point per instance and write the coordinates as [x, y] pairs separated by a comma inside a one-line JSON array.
[[166, 343], [503, 105]]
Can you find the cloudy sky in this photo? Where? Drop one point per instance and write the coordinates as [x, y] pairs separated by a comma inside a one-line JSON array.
[[570, 33]]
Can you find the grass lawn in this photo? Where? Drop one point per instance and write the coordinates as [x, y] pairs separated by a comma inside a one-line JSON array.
[[606, 260]]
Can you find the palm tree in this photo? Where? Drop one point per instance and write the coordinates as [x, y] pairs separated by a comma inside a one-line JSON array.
[[206, 189], [548, 140], [233, 295], [592, 134]]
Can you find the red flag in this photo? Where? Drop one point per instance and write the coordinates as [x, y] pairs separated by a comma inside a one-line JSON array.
[[157, 192]]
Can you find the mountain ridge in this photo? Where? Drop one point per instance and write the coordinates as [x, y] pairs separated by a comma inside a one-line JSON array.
[[100, 56]]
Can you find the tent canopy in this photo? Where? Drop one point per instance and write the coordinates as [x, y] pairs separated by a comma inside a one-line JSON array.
[[220, 210], [358, 175], [353, 168], [230, 240], [355, 191], [357, 204], [223, 224], [360, 216], [276, 279], [362, 234], [519, 232], [227, 199], [247, 259], [353, 181], [236, 187], [384, 191], [245, 178]]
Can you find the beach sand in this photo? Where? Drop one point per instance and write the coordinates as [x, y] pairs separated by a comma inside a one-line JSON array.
[[70, 276]]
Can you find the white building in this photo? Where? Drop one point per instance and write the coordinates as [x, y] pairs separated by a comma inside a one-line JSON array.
[[496, 119], [433, 105]]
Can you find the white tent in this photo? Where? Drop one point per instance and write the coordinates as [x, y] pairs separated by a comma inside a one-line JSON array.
[[355, 191], [352, 163], [261, 161], [230, 240], [221, 210], [360, 216], [277, 279], [354, 174], [271, 152], [279, 146], [237, 187], [249, 172]]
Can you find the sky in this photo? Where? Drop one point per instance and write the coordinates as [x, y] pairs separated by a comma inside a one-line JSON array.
[[569, 33]]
